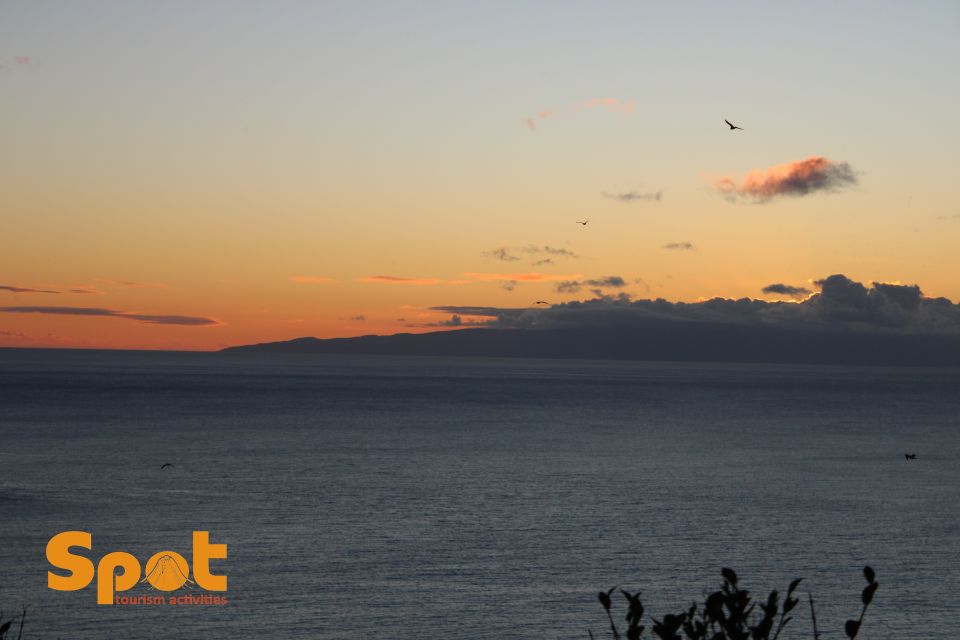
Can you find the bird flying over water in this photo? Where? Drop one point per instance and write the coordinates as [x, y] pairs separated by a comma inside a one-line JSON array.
[[583, 222], [733, 126], [165, 465], [910, 456]]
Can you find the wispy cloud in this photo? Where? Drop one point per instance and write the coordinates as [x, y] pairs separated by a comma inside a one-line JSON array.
[[404, 280], [114, 313], [574, 286], [518, 277], [798, 178], [508, 254], [112, 282], [679, 246], [511, 279], [16, 289], [79, 289], [311, 279], [786, 290], [501, 253], [609, 104], [553, 251], [634, 196]]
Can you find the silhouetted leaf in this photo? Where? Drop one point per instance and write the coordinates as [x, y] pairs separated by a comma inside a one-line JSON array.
[[851, 628], [794, 585], [868, 591], [604, 598], [729, 575], [868, 574]]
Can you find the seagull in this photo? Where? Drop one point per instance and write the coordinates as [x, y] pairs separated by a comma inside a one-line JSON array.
[[165, 465], [542, 302], [584, 223], [910, 456], [733, 126]]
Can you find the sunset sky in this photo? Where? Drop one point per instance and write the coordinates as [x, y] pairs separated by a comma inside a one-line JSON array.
[[193, 175]]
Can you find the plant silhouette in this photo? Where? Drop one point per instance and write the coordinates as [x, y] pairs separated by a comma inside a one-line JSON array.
[[730, 613]]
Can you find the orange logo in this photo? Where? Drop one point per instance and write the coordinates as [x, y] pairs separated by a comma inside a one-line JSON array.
[[119, 571]]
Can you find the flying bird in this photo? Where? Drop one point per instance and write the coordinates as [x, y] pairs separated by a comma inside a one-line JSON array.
[[733, 126], [584, 222], [542, 302], [165, 465], [910, 456]]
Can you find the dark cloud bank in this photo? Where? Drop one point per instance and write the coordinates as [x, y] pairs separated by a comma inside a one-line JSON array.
[[846, 322]]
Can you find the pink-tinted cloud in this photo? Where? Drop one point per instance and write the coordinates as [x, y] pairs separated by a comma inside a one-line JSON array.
[[797, 178], [21, 59], [312, 279], [611, 104], [608, 104]]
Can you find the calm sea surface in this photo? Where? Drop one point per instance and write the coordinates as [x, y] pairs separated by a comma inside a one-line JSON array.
[[471, 498]]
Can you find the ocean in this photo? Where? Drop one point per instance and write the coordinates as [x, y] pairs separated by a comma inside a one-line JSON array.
[[401, 497]]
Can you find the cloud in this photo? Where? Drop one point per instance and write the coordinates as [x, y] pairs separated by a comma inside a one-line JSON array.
[[469, 278], [506, 254], [797, 178], [955, 217], [543, 114], [841, 304], [359, 318], [574, 286], [79, 289], [786, 290], [518, 277], [634, 196], [311, 279], [543, 262], [110, 282], [15, 289], [553, 251], [509, 285], [610, 104], [679, 246], [415, 282], [21, 60], [568, 286], [501, 253], [113, 313]]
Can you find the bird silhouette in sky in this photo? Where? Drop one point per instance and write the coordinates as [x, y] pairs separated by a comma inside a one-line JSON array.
[[910, 456], [542, 302], [733, 126], [583, 222], [165, 465]]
